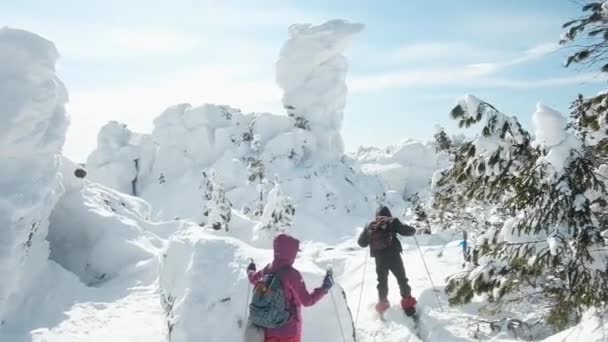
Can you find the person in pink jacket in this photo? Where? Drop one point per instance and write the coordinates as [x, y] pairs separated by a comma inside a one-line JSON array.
[[296, 295]]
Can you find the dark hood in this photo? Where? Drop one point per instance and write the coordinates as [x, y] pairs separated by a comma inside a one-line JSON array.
[[383, 211]]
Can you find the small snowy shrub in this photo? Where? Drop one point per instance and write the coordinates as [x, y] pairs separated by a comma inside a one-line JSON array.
[[279, 212], [217, 211]]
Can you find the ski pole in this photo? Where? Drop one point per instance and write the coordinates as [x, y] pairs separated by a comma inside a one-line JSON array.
[[362, 285], [428, 273], [604, 325], [333, 299]]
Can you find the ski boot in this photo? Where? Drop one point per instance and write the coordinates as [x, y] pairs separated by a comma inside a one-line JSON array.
[[408, 304]]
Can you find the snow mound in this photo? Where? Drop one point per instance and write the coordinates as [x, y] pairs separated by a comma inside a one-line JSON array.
[[210, 303], [31, 137]]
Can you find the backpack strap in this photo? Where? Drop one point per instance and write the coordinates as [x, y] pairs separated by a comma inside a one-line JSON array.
[[279, 272], [276, 274]]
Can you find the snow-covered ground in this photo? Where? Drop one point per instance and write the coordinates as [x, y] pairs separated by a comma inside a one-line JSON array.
[[122, 255]]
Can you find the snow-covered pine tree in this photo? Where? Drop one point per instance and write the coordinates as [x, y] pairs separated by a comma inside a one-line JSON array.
[[206, 190], [550, 251], [278, 212], [589, 121], [381, 199], [588, 36], [442, 141], [217, 210], [459, 200], [420, 213], [256, 171]]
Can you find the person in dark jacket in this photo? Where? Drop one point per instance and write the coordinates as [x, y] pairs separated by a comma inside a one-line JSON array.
[[381, 237]]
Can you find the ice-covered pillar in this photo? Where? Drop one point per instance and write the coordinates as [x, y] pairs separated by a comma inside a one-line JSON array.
[[312, 72], [114, 162], [32, 133]]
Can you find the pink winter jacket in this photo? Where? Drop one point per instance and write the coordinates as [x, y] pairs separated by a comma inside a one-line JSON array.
[[296, 294]]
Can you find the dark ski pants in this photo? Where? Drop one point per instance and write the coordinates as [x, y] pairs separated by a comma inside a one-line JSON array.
[[392, 262]]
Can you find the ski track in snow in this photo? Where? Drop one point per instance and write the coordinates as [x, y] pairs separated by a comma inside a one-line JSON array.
[[435, 324]]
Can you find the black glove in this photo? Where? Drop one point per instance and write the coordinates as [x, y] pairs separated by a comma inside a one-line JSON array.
[[328, 281], [251, 267]]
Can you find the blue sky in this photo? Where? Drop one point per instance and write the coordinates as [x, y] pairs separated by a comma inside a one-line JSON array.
[[128, 60]]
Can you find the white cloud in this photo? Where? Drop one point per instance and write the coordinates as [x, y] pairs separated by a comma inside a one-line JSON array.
[[534, 53], [183, 26], [433, 52], [547, 82], [255, 17], [466, 74], [408, 78], [152, 41], [121, 42], [512, 25]]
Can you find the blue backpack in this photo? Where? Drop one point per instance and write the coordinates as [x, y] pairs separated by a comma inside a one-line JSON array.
[[268, 308]]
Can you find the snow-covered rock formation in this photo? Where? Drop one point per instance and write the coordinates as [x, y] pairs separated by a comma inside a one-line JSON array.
[[311, 70], [55, 227], [304, 148], [32, 133], [407, 167], [121, 158]]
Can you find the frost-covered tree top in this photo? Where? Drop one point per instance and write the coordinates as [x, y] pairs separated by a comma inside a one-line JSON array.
[[32, 97], [311, 70]]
